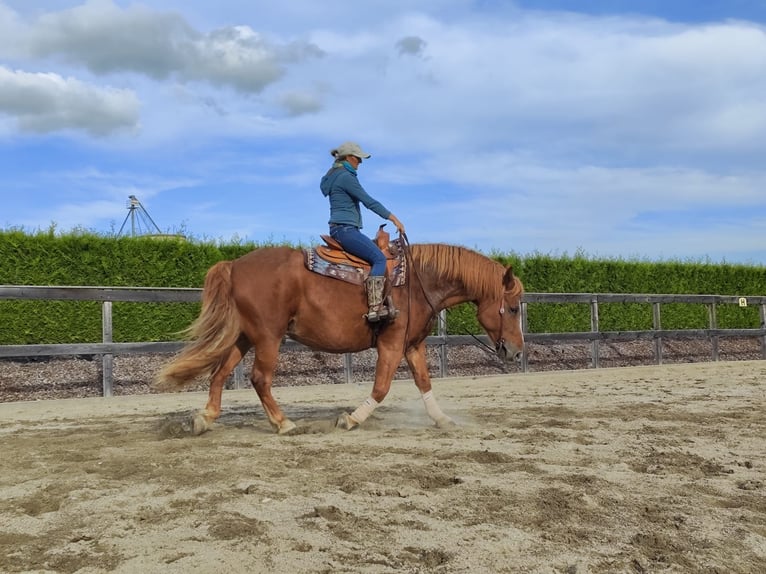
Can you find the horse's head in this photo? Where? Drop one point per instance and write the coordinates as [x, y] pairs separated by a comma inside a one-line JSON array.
[[501, 318]]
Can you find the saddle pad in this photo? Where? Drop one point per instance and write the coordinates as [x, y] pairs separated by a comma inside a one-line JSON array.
[[347, 273], [396, 267]]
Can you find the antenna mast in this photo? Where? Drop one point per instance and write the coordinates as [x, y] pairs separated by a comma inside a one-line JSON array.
[[139, 219]]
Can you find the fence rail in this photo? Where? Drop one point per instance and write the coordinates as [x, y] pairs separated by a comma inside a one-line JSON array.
[[108, 295]]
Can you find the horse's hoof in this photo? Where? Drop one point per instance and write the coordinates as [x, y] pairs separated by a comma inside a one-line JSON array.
[[345, 422], [286, 427], [445, 423], [199, 424]]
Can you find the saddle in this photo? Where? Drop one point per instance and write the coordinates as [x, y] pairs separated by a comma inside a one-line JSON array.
[[332, 261]]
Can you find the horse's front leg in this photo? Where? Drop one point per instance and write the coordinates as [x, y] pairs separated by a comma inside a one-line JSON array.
[[388, 361], [418, 363]]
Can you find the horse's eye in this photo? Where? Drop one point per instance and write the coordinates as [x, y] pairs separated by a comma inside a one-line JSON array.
[[514, 310]]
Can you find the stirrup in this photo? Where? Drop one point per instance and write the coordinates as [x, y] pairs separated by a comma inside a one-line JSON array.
[[384, 312], [376, 315]]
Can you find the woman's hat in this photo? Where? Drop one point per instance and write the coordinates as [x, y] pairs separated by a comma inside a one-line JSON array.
[[349, 148]]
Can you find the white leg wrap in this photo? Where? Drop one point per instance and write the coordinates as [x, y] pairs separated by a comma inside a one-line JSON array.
[[432, 408], [364, 410]]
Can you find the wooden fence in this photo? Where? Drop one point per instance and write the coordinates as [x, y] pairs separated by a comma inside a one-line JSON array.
[[108, 295]]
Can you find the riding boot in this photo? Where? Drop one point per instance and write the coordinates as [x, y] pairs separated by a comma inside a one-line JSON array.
[[376, 311]]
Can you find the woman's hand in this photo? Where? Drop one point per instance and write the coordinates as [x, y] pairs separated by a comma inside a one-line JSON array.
[[399, 225]]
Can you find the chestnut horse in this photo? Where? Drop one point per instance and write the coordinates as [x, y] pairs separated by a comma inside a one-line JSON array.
[[254, 301]]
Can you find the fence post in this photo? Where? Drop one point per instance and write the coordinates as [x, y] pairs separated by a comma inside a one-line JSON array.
[[594, 345], [713, 325], [107, 360], [347, 367], [441, 330], [239, 375], [657, 325], [524, 329], [763, 325]]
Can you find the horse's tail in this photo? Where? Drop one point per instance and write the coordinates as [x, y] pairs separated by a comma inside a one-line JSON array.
[[212, 334]]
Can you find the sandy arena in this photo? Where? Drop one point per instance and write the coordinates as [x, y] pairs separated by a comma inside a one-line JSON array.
[[630, 470]]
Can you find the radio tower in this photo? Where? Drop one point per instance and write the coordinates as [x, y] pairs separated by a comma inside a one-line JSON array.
[[141, 223]]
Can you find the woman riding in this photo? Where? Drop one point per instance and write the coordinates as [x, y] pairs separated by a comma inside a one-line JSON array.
[[345, 192]]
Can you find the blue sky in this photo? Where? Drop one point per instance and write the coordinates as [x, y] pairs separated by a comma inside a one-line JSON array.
[[617, 129]]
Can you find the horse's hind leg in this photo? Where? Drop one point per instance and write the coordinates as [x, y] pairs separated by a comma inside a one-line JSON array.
[[203, 420], [266, 354]]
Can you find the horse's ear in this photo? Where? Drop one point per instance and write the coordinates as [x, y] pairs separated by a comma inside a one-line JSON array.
[[509, 278]]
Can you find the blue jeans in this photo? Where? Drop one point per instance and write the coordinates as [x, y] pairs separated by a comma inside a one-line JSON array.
[[357, 243]]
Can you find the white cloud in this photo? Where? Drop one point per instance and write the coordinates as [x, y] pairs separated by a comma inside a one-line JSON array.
[[48, 102], [108, 39], [104, 38]]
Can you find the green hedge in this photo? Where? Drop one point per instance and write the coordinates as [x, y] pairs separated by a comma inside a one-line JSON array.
[[81, 258], [580, 274], [45, 258]]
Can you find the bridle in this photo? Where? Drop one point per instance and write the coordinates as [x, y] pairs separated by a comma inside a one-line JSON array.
[[499, 342]]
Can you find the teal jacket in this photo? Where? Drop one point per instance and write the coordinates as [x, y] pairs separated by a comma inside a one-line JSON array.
[[342, 186]]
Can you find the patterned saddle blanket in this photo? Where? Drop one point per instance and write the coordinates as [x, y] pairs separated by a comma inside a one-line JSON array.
[[330, 260]]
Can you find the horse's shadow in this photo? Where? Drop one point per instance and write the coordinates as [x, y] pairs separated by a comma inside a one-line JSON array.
[[308, 420]]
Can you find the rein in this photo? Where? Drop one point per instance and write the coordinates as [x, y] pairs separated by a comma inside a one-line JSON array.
[[408, 259]]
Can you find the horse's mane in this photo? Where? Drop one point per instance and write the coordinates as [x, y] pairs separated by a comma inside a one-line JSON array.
[[480, 275]]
